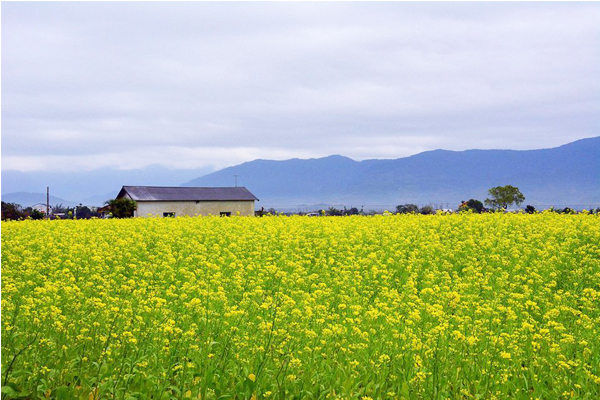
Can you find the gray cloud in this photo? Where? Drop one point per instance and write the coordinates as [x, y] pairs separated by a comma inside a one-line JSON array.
[[188, 85]]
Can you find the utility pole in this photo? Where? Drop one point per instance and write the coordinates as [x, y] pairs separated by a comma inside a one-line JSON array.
[[235, 180], [47, 202]]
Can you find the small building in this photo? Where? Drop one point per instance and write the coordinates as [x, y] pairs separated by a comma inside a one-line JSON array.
[[179, 201], [41, 207]]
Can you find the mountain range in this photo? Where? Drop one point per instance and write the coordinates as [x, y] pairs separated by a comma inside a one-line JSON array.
[[565, 175]]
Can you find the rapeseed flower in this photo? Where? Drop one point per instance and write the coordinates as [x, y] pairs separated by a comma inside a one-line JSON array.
[[466, 305]]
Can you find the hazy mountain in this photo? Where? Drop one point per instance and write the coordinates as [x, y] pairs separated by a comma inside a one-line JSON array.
[[566, 175], [27, 199], [92, 187], [100, 199]]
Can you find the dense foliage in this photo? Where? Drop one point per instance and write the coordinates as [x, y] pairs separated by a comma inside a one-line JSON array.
[[473, 205], [12, 211], [503, 196], [405, 306], [122, 208]]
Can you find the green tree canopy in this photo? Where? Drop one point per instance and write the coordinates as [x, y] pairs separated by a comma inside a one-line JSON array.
[[407, 208], [36, 214], [12, 211], [504, 196], [427, 210], [472, 204], [122, 208]]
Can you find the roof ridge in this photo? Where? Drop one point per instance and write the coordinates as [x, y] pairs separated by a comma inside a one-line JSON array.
[[187, 187], [187, 193]]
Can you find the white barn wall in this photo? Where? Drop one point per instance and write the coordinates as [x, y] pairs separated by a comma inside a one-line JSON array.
[[193, 208]]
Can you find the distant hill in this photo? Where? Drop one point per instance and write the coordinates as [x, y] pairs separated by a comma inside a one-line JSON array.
[[565, 175], [93, 188], [27, 199], [100, 200]]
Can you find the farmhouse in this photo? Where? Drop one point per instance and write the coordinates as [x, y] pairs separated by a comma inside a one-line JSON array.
[[178, 201]]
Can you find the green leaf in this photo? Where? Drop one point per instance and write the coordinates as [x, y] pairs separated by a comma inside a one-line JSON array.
[[10, 392], [63, 392], [405, 392]]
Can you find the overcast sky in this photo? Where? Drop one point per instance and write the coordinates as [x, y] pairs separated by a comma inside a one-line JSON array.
[[190, 85]]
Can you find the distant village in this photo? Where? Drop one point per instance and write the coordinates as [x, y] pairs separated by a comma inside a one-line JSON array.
[[163, 201]]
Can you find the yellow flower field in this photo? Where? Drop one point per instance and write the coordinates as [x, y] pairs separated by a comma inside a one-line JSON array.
[[407, 306]]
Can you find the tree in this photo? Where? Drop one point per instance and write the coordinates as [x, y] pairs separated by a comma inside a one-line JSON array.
[[122, 208], [504, 196], [12, 211], [530, 209], [84, 212], [60, 209], [351, 211], [334, 211], [36, 214], [427, 210], [472, 204], [407, 208]]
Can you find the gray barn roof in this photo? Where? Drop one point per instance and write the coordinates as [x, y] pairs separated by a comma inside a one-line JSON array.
[[163, 193]]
